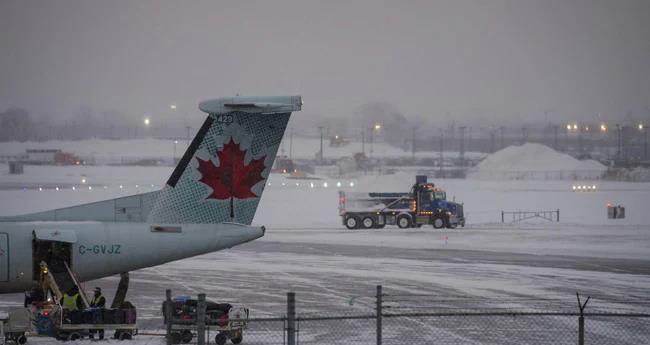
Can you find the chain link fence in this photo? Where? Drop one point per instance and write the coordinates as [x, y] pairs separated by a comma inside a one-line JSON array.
[[433, 319]]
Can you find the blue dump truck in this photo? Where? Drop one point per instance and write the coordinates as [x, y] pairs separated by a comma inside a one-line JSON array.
[[424, 204]]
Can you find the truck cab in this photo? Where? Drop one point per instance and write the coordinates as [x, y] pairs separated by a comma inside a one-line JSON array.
[[431, 206]]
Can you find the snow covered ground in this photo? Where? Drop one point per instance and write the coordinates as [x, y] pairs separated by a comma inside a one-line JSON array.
[[334, 270]]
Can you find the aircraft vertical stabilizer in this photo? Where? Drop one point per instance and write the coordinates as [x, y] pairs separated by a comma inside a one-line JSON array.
[[222, 175]]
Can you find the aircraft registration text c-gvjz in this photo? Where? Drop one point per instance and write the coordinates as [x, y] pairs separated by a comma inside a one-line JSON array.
[[100, 249]]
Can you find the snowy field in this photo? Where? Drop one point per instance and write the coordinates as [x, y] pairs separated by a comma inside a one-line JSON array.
[[334, 270]]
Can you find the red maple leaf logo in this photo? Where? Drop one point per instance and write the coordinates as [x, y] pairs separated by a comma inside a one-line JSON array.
[[232, 178]]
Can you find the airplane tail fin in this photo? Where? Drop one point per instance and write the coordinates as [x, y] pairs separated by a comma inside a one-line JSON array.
[[222, 175]]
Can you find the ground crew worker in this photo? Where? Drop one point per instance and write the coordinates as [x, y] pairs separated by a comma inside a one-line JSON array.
[[71, 300], [98, 301], [72, 305]]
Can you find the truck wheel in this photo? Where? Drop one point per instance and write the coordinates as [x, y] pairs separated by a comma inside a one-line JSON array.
[[61, 335], [404, 221], [351, 222], [175, 338], [21, 339], [186, 337], [237, 339], [438, 223], [368, 223], [220, 339]]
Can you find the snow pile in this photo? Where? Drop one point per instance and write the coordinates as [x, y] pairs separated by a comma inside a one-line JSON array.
[[536, 161]]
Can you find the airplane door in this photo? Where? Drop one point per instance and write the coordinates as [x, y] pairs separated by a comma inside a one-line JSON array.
[[4, 257]]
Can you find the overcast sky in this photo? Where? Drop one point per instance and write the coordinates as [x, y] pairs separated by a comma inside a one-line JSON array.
[[465, 59]]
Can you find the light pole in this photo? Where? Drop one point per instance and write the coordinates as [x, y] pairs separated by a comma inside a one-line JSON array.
[[502, 131], [441, 158], [375, 127], [644, 129], [175, 142], [146, 122], [413, 143], [320, 153], [291, 144], [619, 142], [462, 145]]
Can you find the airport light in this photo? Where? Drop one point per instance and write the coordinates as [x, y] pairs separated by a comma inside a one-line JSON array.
[[377, 126], [644, 129], [172, 107], [147, 121], [575, 126], [568, 127], [603, 127]]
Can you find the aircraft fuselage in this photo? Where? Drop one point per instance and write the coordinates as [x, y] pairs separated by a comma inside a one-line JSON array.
[[100, 249]]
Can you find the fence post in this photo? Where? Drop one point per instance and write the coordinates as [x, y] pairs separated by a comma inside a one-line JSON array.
[[291, 318], [581, 330], [379, 314], [502, 217], [168, 316], [200, 320], [581, 320], [558, 215]]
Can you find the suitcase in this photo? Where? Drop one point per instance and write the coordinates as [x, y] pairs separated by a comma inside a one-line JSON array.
[[87, 316], [108, 316], [113, 316], [129, 316], [182, 298], [76, 317], [97, 316], [119, 316]]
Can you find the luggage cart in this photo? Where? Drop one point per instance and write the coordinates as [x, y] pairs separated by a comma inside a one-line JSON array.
[[74, 331], [184, 330], [14, 326]]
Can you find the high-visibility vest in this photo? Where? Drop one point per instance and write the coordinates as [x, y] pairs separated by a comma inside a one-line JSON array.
[[96, 300], [70, 302]]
